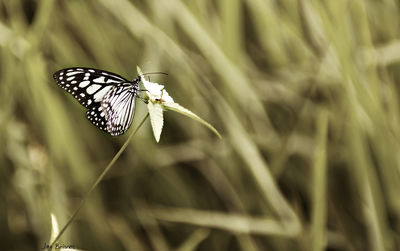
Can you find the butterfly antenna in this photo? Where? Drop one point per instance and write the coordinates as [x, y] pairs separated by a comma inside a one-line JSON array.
[[157, 72]]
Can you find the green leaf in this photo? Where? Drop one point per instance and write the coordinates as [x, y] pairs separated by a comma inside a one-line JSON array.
[[182, 110], [156, 119]]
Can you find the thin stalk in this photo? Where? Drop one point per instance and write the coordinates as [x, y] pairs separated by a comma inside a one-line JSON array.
[[71, 219]]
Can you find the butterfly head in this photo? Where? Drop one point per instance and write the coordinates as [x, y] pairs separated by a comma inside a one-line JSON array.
[[137, 80]]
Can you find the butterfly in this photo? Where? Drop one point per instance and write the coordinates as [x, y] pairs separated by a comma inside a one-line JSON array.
[[109, 98]]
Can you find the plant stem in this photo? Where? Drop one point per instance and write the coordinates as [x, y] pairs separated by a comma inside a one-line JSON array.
[[98, 180]]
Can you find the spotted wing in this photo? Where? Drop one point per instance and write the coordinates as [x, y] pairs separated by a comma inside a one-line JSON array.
[[118, 106], [87, 85], [96, 115]]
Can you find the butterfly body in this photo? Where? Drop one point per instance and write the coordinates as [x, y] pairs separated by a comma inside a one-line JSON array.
[[109, 98]]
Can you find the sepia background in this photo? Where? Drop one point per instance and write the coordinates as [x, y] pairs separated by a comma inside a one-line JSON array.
[[304, 93]]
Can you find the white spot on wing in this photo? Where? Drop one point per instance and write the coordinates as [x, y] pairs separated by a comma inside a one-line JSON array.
[[70, 78], [84, 84], [112, 81], [99, 80], [93, 88], [72, 73], [100, 94]]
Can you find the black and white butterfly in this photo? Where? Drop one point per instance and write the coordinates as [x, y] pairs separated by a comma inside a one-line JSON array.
[[109, 98]]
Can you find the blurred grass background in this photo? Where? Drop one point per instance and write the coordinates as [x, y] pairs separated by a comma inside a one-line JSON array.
[[304, 92]]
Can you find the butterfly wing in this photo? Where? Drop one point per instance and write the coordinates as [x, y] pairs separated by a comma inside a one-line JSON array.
[[96, 115], [118, 106], [89, 86]]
